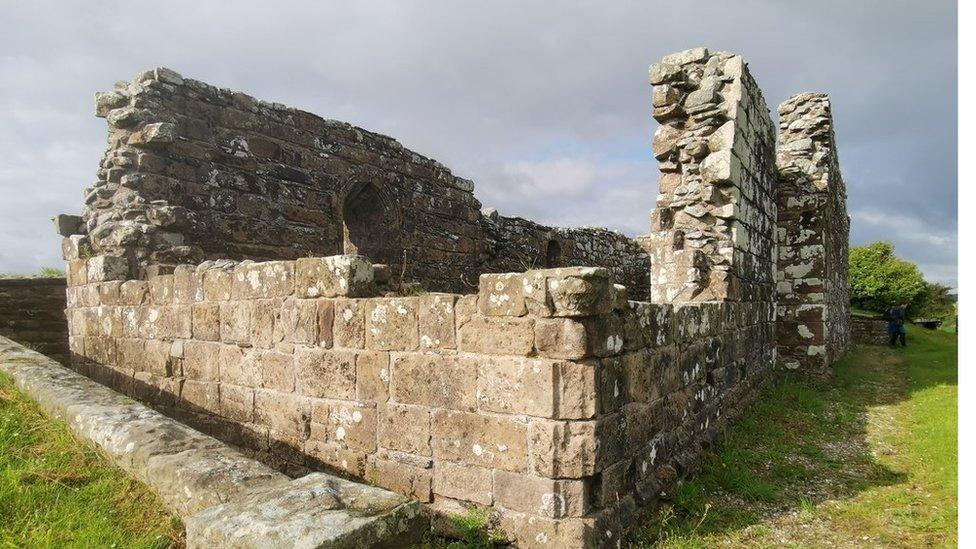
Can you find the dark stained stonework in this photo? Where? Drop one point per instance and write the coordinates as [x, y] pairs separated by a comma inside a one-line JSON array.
[[195, 172], [32, 313]]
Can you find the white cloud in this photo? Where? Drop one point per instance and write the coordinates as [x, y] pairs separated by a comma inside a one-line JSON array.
[[547, 110]]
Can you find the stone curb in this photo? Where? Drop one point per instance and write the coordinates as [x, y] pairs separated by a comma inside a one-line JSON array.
[[224, 498]]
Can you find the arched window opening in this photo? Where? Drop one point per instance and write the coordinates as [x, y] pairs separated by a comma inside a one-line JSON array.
[[553, 254], [368, 225]]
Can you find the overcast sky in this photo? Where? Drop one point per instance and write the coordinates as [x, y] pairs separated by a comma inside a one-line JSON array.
[[545, 106]]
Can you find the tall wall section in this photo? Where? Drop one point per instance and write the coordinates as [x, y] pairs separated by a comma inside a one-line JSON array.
[[195, 172], [712, 230], [812, 234]]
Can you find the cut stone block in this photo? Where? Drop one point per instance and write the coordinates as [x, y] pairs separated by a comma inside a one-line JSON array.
[[334, 276]]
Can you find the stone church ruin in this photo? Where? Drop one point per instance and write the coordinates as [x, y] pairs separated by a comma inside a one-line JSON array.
[[328, 300]]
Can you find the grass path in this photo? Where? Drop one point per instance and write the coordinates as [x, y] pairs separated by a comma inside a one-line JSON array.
[[867, 461], [58, 492]]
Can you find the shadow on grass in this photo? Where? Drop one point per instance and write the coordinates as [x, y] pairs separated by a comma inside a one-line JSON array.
[[802, 443]]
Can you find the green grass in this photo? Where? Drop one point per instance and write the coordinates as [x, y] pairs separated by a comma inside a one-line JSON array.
[[868, 459], [58, 492], [45, 272]]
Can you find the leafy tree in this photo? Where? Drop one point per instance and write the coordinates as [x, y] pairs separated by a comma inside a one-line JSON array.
[[936, 302], [880, 279]]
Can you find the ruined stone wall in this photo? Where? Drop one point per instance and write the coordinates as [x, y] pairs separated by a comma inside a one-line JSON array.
[[516, 244], [812, 233], [196, 172], [32, 313], [712, 230], [868, 330], [547, 396]]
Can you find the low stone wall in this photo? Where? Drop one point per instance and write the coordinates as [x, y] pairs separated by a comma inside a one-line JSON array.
[[548, 396], [224, 498], [32, 313], [869, 330]]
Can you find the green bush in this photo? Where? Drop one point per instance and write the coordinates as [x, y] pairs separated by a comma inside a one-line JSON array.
[[880, 279]]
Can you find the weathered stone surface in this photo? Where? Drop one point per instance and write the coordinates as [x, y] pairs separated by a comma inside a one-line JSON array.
[[434, 380], [492, 442], [317, 510], [334, 276], [497, 335], [326, 373], [392, 324]]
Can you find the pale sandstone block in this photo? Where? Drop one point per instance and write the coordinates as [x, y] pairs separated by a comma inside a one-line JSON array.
[[235, 321], [563, 449], [158, 358], [517, 385], [568, 291], [373, 376], [463, 482], [436, 321], [161, 289], [352, 462], [298, 321], [205, 320], [531, 531], [497, 335], [434, 380], [545, 497], [277, 369], [352, 426], [134, 292], [486, 441], [405, 428], [414, 482], [217, 284], [263, 280], [200, 396], [131, 354], [77, 274], [109, 292], [237, 403], [264, 317], [334, 276], [285, 413], [501, 294], [326, 373], [392, 324], [201, 360], [236, 368], [101, 268], [349, 328], [187, 284]]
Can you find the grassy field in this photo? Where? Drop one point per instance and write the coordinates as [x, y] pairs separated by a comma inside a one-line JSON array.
[[869, 460], [57, 492]]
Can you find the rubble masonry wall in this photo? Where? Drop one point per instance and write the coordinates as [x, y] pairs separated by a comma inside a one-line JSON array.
[[812, 234], [195, 172]]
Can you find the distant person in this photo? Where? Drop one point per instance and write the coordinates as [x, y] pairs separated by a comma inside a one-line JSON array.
[[896, 325]]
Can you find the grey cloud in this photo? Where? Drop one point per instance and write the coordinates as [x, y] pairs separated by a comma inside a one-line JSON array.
[[498, 91]]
